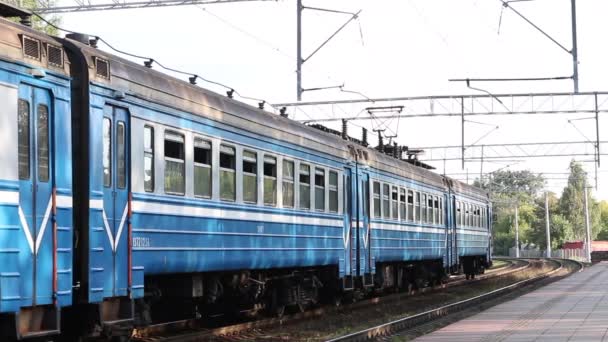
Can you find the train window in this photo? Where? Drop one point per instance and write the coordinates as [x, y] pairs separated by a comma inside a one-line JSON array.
[[418, 217], [43, 143], [410, 205], [288, 181], [270, 180], [377, 205], [430, 210], [227, 173], [174, 164], [107, 152], [319, 189], [121, 156], [365, 195], [148, 159], [402, 207], [23, 127], [304, 186], [441, 214], [202, 168], [474, 212], [394, 203], [386, 208], [467, 221], [423, 218], [250, 177], [458, 214], [333, 191], [436, 210]]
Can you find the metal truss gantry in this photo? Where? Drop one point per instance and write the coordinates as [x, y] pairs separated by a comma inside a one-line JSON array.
[[383, 109], [88, 6]]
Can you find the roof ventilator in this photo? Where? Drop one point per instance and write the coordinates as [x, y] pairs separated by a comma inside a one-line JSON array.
[[55, 56], [102, 68], [31, 48]]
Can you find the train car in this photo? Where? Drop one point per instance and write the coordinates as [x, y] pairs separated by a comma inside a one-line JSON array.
[[409, 223], [223, 202], [35, 181], [471, 225]]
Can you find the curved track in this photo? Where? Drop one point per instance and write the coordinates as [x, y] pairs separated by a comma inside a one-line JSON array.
[[190, 330], [410, 322]]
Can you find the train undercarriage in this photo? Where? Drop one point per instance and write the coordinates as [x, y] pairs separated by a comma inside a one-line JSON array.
[[239, 294]]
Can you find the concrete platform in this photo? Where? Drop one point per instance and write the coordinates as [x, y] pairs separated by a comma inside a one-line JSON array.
[[572, 309]]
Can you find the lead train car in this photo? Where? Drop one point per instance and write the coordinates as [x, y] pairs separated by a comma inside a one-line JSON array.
[[224, 205], [35, 182]]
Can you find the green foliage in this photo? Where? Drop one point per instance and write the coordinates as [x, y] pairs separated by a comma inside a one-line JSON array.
[[38, 23], [566, 213]]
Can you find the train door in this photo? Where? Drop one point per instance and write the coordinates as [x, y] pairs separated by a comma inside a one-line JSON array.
[[453, 233], [366, 263], [346, 264], [35, 193], [116, 192]]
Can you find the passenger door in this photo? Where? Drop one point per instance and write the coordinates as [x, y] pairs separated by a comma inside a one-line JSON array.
[[366, 256], [35, 154], [116, 184], [453, 233]]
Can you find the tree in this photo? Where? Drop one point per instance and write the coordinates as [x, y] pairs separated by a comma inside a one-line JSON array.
[[603, 216], [510, 183], [38, 23], [572, 204]]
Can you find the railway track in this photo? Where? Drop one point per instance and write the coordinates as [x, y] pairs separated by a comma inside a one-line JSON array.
[[191, 330], [404, 324]]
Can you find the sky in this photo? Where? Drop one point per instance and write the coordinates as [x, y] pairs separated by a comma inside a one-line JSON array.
[[395, 48]]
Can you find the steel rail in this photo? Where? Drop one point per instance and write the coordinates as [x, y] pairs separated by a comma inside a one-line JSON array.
[[410, 322]]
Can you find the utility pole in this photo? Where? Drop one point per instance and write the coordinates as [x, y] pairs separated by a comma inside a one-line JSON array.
[[481, 169], [547, 224], [517, 230], [299, 48], [588, 244], [574, 51], [301, 60]]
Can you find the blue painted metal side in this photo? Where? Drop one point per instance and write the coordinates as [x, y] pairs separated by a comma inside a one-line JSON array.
[[199, 236], [173, 234]]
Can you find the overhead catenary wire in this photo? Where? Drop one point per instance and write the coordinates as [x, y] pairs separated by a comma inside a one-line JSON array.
[[149, 61]]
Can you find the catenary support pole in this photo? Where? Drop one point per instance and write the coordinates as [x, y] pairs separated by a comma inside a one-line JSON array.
[[299, 50], [481, 169], [548, 228], [462, 129], [574, 51], [587, 228], [516, 230]]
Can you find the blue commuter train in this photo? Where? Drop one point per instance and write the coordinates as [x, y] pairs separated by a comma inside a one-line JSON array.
[[128, 197]]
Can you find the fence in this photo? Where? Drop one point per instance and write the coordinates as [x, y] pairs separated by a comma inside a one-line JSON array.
[[574, 254]]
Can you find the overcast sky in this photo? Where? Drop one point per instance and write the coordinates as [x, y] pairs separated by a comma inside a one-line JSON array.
[[396, 48]]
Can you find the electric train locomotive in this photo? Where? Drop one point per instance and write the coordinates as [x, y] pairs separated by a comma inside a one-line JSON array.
[[128, 197]]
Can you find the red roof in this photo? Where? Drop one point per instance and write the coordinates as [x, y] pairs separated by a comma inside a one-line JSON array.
[[574, 245], [596, 246]]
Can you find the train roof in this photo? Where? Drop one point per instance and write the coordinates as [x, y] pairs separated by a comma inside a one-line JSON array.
[[146, 83]]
